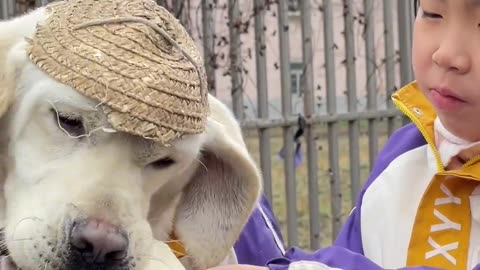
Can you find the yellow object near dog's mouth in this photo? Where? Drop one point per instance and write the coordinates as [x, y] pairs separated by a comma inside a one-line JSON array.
[[177, 247]]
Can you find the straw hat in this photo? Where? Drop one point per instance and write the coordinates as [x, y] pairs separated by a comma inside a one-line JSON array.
[[133, 57]]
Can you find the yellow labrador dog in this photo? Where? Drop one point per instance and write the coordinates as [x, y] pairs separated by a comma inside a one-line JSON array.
[[76, 197]]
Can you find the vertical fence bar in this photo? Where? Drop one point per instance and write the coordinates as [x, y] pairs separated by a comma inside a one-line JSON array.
[[309, 111], [353, 126], [162, 3], [9, 10], [262, 90], [333, 146], [234, 24], [208, 28], [389, 60], [12, 8], [181, 12], [290, 183], [39, 3], [405, 19], [4, 10], [371, 79]]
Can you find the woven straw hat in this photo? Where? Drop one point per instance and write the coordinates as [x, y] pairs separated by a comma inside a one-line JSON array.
[[133, 57]]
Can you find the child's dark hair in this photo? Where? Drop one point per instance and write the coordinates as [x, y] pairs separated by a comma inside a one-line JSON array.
[[415, 6]]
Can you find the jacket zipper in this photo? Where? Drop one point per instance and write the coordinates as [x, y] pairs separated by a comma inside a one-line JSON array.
[[472, 160], [420, 127]]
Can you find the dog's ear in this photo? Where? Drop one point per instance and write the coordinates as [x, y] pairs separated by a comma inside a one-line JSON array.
[[221, 195], [14, 32], [7, 96], [13, 35]]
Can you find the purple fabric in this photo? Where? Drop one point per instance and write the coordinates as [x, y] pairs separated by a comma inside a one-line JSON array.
[[256, 245], [298, 155], [405, 139]]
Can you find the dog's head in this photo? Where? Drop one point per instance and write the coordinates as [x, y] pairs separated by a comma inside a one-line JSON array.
[[80, 195]]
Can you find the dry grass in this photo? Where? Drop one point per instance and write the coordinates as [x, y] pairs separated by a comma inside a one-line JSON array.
[[279, 201]]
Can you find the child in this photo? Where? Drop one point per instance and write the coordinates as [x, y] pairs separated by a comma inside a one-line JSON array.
[[421, 204]]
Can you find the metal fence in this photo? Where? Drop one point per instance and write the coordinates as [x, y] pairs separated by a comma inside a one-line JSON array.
[[333, 119], [221, 29]]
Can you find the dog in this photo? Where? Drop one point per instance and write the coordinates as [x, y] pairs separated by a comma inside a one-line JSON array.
[[78, 194]]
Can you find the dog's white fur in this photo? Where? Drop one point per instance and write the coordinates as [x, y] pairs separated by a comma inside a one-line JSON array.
[[50, 178]]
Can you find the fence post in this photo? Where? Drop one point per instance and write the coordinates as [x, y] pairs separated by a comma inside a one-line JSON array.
[[309, 111], [208, 27], [290, 182], [234, 25], [262, 100], [389, 59], [333, 134], [10, 8], [181, 10], [405, 19], [4, 10], [39, 3], [162, 3], [371, 79], [353, 126]]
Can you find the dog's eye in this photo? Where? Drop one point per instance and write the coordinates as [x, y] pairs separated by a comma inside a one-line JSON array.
[[71, 124], [162, 163]]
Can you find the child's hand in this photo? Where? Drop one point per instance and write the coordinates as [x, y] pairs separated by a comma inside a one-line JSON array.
[[6, 264], [239, 267], [168, 259]]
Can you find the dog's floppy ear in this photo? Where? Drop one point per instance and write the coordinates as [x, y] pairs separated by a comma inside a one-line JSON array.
[[7, 96], [13, 35], [221, 195]]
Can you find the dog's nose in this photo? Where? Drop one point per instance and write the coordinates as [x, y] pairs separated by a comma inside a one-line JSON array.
[[98, 242]]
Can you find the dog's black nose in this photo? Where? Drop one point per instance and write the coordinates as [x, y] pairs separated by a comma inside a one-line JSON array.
[[98, 242]]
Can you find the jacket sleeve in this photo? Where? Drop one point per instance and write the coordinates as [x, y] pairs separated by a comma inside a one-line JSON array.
[[261, 239], [261, 244], [331, 258], [347, 251], [345, 254]]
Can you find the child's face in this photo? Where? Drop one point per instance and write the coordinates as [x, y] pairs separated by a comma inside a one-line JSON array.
[[446, 62]]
